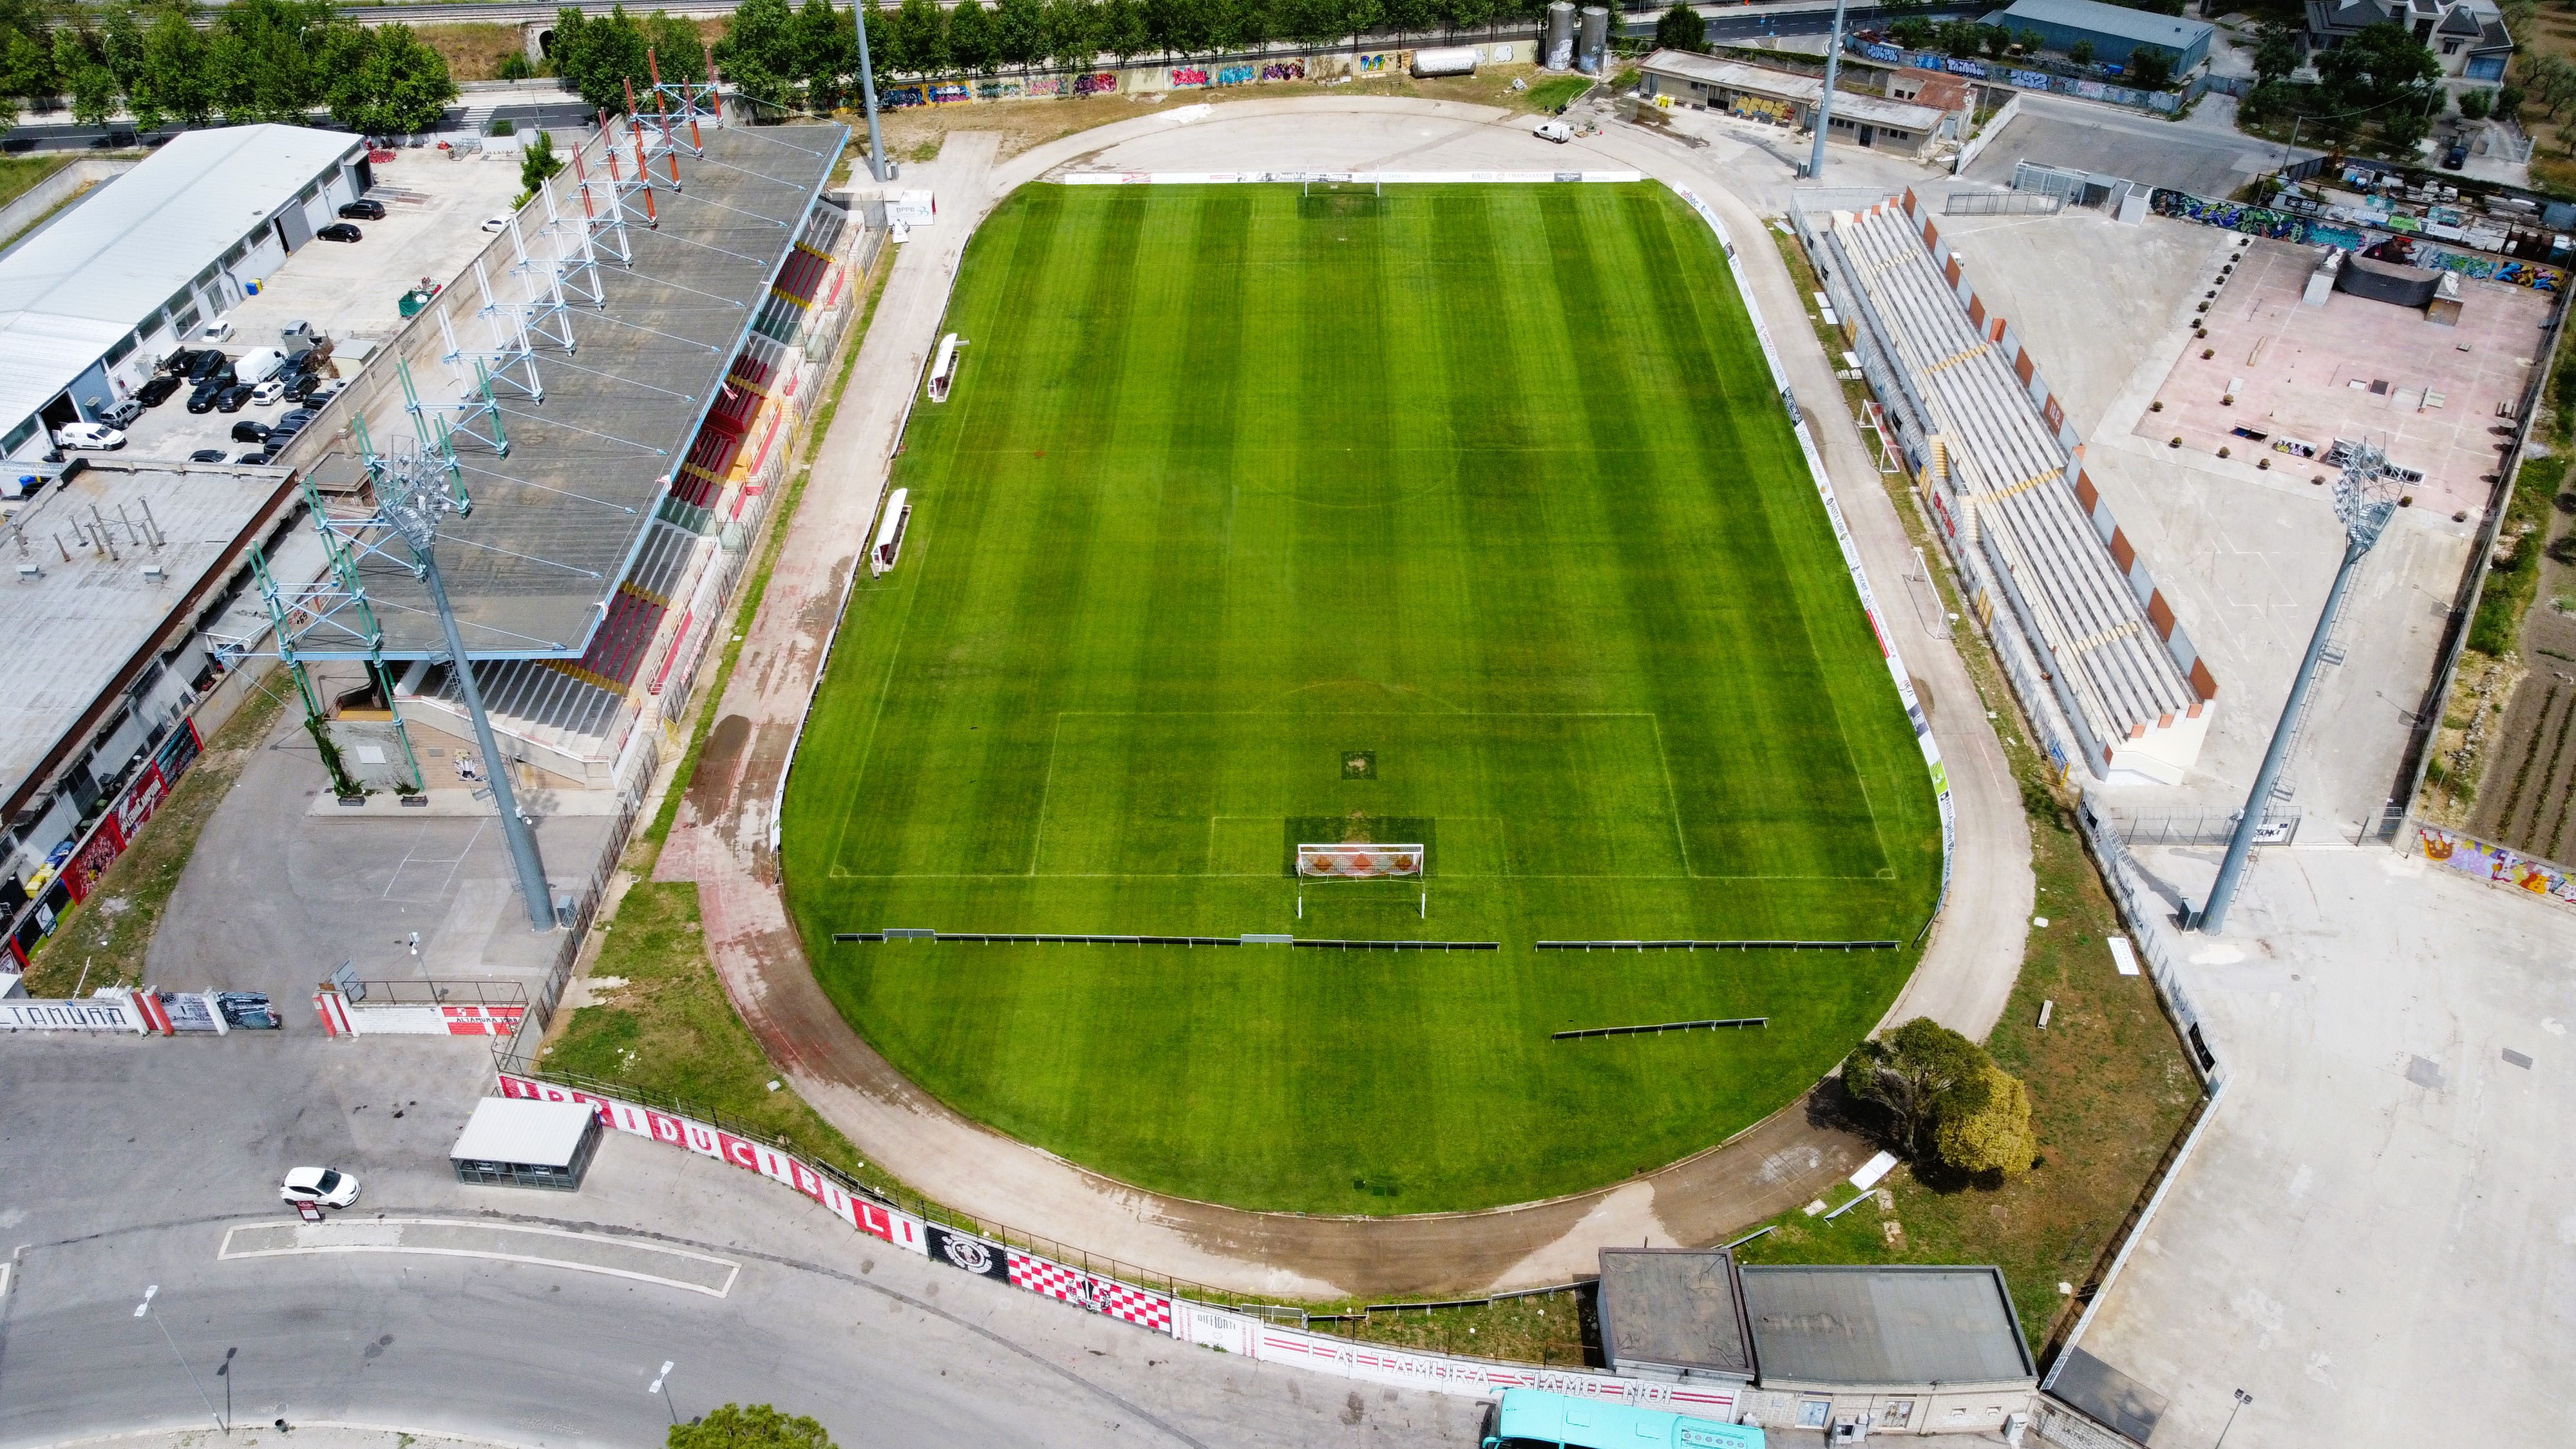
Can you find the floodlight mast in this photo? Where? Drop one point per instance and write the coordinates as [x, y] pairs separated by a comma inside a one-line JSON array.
[[877, 165], [2364, 500], [411, 499], [1825, 102]]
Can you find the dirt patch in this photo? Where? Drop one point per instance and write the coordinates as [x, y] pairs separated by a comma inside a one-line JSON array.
[[916, 133], [473, 50]]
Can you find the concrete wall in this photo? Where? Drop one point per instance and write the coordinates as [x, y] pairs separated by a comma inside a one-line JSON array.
[[51, 192]]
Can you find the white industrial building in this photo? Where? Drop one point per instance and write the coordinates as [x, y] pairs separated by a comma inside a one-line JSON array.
[[90, 302]]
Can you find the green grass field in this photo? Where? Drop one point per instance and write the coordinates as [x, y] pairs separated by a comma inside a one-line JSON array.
[[1488, 483]]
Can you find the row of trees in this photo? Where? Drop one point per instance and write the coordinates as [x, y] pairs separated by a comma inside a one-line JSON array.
[[261, 60], [808, 56]]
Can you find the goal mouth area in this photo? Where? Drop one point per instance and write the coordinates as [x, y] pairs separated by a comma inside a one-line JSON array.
[[1356, 861]]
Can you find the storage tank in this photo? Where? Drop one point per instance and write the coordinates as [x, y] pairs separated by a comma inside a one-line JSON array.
[[1592, 42], [1448, 60], [1556, 46]]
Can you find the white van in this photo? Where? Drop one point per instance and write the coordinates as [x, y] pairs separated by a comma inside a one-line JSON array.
[[1557, 131], [259, 364]]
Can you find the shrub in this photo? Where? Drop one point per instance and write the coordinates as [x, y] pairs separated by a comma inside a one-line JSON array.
[[1995, 1137], [2148, 70], [515, 66], [2081, 52], [2475, 105]]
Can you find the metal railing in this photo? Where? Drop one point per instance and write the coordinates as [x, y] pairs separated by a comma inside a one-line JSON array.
[[2003, 203]]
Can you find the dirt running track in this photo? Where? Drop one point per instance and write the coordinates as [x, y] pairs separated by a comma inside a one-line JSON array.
[[722, 839]]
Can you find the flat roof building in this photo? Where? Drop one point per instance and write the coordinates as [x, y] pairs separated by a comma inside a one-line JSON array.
[[1897, 1350], [1787, 98], [515, 1142], [2115, 31], [91, 301]]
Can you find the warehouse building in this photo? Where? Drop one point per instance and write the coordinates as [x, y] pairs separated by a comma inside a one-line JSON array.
[[2114, 30], [90, 302]]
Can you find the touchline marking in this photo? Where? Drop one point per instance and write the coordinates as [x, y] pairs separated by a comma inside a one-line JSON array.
[[733, 1270]]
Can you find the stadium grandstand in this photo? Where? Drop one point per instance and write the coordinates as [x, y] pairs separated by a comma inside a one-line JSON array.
[[1999, 466], [614, 383]]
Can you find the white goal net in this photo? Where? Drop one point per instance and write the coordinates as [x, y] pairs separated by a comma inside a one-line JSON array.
[[1359, 861]]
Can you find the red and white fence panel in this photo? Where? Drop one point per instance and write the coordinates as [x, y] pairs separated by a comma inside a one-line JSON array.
[[1146, 1308], [342, 1016]]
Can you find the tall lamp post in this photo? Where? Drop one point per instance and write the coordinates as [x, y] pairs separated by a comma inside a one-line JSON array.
[[878, 166], [2242, 1399], [144, 1310], [411, 498], [669, 1401], [1825, 102], [2364, 499]]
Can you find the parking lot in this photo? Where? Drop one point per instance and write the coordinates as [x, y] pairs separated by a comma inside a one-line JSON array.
[[350, 292]]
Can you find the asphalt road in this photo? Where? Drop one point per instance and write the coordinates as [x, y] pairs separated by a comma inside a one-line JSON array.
[[151, 1149]]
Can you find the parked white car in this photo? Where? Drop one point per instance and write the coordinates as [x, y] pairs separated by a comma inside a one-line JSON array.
[[1556, 131], [497, 223], [269, 393], [325, 1185], [98, 437]]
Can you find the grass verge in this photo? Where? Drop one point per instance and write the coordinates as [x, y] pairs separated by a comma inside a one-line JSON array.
[[20, 174], [103, 940], [2512, 581], [661, 1025], [2110, 1088]]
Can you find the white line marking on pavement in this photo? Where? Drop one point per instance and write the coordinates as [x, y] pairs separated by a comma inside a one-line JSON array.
[[369, 1237]]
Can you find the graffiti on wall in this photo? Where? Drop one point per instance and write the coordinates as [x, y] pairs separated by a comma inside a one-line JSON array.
[[2033, 80], [2495, 864], [1763, 108], [2264, 221], [1185, 76]]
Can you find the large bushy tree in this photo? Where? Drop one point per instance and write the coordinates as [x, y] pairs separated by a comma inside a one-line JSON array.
[[749, 1426], [1914, 1076]]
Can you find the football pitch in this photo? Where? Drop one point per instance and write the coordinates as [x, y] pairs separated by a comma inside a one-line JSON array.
[[1462, 516]]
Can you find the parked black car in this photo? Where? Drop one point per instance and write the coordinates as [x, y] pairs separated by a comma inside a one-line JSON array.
[[2455, 159], [247, 431], [363, 210], [207, 455], [203, 399], [203, 365], [230, 400], [340, 231], [156, 390]]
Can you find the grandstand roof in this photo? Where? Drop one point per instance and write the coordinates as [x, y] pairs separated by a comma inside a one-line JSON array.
[[558, 521]]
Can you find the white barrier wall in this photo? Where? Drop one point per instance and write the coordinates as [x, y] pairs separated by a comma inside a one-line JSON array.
[[1147, 1308]]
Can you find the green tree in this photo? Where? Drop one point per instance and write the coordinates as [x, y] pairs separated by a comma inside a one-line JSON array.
[[537, 165], [387, 81], [881, 41], [1914, 1075], [1121, 29], [26, 70], [749, 1426], [1913, 32], [2148, 69], [1070, 33], [921, 36], [1019, 32], [1962, 38], [2474, 105], [2030, 41], [1457, 15], [1996, 1136], [2508, 103], [1241, 24], [1410, 17], [1356, 18], [517, 67], [971, 43], [2378, 67], [2276, 53], [2402, 127], [826, 50], [2080, 53], [760, 53], [1994, 40], [598, 57], [1680, 28]]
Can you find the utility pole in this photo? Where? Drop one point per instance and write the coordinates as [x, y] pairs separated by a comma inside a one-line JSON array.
[[878, 166], [144, 1310], [411, 500], [2364, 501], [1825, 103]]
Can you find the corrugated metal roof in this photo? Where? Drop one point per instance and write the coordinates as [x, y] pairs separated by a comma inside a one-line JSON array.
[[69, 292], [1891, 1325], [511, 1129], [2139, 25], [1762, 80]]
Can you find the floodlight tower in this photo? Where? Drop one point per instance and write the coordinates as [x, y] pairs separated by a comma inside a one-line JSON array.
[[411, 494], [1825, 102], [878, 166], [2364, 499]]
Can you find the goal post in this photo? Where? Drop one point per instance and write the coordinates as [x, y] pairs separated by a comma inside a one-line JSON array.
[[1344, 185], [1350, 861]]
